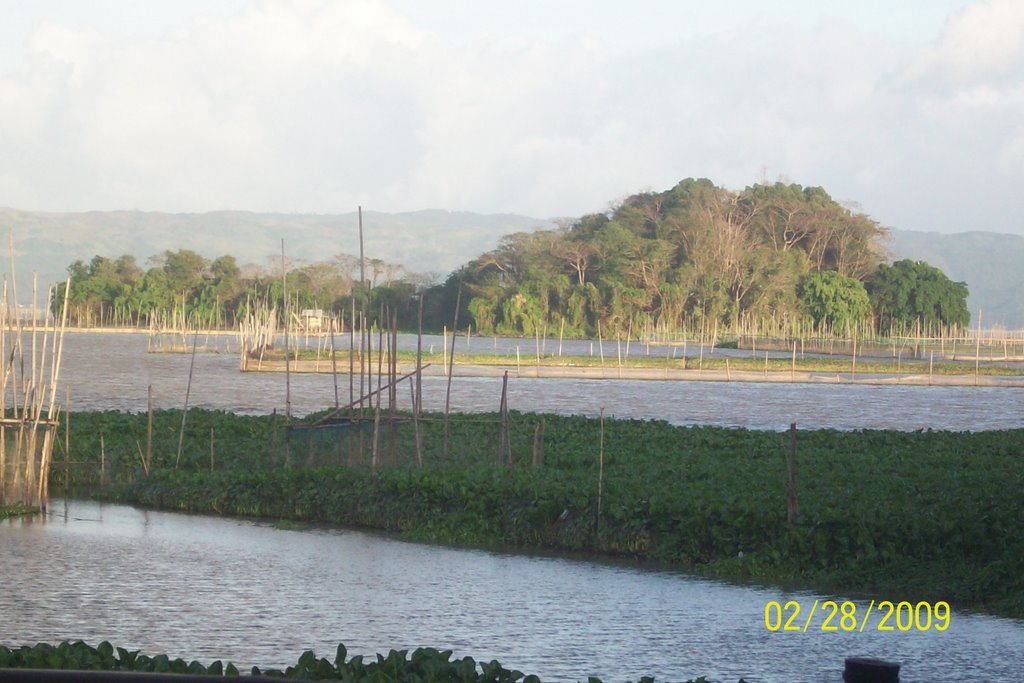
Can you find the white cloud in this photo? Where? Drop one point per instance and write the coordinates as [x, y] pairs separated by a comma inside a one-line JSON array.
[[985, 39], [318, 105]]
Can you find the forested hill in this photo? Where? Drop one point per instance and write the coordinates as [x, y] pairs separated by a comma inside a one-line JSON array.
[[770, 257], [991, 264]]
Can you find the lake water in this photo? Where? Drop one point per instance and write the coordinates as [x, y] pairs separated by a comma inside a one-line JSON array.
[[211, 588], [112, 371]]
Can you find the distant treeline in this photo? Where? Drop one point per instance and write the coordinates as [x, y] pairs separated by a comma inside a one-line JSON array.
[[184, 289], [776, 259]]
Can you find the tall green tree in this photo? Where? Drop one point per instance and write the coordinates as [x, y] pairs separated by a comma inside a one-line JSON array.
[[834, 301], [912, 292]]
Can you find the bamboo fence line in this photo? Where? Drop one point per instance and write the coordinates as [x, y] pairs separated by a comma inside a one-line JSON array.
[[29, 415]]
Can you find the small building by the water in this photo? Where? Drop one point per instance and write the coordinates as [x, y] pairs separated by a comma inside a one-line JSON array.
[[312, 319]]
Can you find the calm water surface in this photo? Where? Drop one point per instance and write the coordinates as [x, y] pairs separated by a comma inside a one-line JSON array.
[[210, 588]]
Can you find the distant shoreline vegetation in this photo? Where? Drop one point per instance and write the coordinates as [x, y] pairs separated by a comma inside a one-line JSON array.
[[696, 259]]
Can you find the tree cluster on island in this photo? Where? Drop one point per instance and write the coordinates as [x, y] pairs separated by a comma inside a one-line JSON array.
[[776, 258]]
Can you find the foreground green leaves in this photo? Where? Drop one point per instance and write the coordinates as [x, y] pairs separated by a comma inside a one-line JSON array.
[[424, 665]]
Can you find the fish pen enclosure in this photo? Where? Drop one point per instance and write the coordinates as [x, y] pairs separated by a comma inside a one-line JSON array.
[[504, 438], [31, 345]]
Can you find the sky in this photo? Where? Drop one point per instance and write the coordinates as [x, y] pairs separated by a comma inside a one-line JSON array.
[[910, 111]]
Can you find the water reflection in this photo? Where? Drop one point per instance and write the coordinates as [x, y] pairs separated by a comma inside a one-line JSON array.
[[208, 588]]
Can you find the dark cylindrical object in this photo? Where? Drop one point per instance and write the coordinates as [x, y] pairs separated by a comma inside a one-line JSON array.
[[866, 670]]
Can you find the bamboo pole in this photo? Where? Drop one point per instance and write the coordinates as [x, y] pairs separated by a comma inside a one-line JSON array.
[[334, 362], [600, 472], [149, 428], [792, 505], [536, 331], [418, 401], [393, 390], [502, 432], [451, 362], [287, 352], [792, 371], [188, 390], [977, 351], [376, 413], [538, 444], [351, 352]]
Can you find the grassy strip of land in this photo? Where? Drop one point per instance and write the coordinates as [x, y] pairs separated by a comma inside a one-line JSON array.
[[17, 510], [930, 515], [660, 360]]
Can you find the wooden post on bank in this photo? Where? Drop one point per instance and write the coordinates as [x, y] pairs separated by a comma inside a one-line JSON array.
[[393, 393], [600, 472], [188, 390], [149, 427], [418, 401], [538, 444], [977, 350], [499, 457], [792, 505], [67, 444], [451, 363]]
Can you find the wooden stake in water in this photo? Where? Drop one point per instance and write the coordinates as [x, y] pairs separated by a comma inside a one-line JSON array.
[[188, 390], [600, 472], [499, 457], [792, 505], [451, 363], [537, 336], [334, 363], [792, 371], [149, 428], [287, 354], [977, 350], [538, 444], [618, 352], [853, 369], [418, 401]]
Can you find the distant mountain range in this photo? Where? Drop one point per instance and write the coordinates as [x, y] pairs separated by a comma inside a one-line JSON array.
[[430, 241], [992, 265]]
